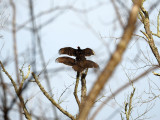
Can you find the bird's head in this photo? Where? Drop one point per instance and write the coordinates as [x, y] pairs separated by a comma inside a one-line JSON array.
[[79, 48]]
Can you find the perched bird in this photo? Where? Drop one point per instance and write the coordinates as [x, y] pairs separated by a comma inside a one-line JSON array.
[[80, 63], [77, 65]]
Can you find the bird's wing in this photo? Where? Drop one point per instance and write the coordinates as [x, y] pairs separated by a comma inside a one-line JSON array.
[[88, 64], [77, 68], [88, 52], [66, 60], [68, 50]]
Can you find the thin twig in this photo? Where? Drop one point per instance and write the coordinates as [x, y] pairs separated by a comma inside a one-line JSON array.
[[119, 90], [13, 82], [158, 31], [24, 77], [128, 106], [118, 14]]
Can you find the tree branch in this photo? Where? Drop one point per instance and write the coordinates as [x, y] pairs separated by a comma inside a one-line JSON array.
[[18, 92], [119, 90], [51, 99], [149, 34], [75, 89], [83, 87]]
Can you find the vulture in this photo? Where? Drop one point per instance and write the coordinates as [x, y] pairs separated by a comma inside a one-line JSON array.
[[79, 63]]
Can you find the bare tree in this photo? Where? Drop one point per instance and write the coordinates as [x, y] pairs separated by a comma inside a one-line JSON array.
[[35, 88]]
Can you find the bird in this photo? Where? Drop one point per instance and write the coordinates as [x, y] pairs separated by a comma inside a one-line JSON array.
[[77, 65], [80, 63], [78, 53]]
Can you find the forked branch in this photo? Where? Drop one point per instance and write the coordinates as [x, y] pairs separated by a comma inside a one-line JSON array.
[[51, 99], [18, 91]]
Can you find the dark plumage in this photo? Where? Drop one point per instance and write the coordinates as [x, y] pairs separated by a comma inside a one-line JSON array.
[[66, 60], [80, 63], [68, 50], [78, 53]]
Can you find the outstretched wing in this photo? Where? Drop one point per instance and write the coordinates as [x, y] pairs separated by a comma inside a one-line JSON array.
[[87, 64], [78, 68], [88, 52], [81, 65], [68, 50], [66, 60]]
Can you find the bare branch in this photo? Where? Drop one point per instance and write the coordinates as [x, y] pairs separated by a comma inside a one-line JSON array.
[[8, 75], [26, 113], [14, 38], [51, 99], [75, 89], [149, 34], [128, 106], [121, 89], [83, 87], [24, 77]]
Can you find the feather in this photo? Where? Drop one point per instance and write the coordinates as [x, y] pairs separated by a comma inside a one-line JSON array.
[[87, 64], [88, 52], [66, 60], [68, 50]]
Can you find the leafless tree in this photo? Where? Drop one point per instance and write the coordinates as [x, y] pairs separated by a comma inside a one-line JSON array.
[[24, 86]]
